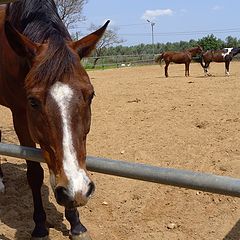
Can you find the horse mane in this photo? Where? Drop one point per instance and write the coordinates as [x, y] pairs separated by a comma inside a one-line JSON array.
[[40, 22], [36, 19], [192, 49]]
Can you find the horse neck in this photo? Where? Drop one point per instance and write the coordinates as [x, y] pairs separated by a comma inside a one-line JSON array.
[[193, 51], [237, 51]]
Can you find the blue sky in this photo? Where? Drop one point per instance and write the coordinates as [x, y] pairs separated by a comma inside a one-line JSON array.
[[174, 20]]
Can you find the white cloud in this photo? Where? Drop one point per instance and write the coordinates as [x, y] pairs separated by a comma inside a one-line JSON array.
[[153, 14]]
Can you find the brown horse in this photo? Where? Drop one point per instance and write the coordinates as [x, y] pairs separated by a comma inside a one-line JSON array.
[[179, 57], [49, 94], [225, 55]]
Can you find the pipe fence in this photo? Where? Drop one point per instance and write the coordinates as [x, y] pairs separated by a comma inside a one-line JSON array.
[[168, 176], [117, 61]]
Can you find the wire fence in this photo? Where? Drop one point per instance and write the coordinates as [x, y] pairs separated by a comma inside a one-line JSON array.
[[117, 61]]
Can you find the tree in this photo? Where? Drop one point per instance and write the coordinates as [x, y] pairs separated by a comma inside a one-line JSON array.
[[231, 41], [109, 39], [70, 11], [211, 42]]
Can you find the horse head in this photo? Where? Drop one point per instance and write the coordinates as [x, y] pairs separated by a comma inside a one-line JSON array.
[[235, 51], [58, 105], [196, 50]]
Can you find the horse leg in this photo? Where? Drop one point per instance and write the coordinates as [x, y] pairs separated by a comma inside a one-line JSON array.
[[227, 63], [77, 231], [2, 187], [206, 69], [187, 69], [34, 176], [166, 69]]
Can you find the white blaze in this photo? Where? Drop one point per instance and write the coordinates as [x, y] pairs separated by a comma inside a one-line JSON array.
[[78, 180]]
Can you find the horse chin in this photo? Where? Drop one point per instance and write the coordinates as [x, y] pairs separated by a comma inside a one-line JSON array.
[[75, 205], [72, 204], [80, 202]]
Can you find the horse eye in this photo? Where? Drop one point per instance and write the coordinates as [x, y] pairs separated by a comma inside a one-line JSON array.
[[92, 96], [34, 103]]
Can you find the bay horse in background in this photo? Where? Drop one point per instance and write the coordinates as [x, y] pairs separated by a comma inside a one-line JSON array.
[[225, 55], [49, 94], [183, 57]]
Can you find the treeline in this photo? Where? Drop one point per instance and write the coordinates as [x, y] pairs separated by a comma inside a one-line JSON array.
[[208, 42]]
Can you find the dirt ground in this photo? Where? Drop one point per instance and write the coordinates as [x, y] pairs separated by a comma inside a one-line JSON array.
[[140, 116]]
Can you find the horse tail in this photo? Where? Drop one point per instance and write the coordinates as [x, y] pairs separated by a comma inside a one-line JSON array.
[[159, 58]]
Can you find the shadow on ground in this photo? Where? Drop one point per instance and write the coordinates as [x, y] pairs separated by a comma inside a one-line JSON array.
[[16, 206]]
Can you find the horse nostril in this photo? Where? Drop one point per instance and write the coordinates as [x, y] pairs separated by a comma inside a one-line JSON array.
[[62, 196], [91, 189]]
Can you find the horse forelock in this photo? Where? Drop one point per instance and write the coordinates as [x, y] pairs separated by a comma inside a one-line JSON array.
[[58, 63]]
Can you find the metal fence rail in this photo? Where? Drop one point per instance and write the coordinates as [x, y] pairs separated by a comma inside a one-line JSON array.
[[169, 176], [117, 61]]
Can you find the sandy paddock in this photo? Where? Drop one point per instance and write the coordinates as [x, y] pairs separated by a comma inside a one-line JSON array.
[[140, 116]]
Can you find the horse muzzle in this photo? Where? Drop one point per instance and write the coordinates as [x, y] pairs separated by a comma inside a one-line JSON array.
[[65, 198]]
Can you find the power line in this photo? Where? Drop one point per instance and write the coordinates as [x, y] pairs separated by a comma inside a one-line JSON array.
[[194, 32], [122, 25], [233, 30]]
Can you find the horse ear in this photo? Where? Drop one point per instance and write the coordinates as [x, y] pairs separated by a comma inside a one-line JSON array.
[[23, 46], [85, 45]]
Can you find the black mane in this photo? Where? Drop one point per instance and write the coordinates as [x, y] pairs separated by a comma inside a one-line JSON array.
[[36, 19]]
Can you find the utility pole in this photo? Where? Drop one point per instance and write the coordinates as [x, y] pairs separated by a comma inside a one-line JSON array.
[[152, 25]]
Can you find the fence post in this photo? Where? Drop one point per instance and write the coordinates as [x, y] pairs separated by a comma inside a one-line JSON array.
[[102, 61]]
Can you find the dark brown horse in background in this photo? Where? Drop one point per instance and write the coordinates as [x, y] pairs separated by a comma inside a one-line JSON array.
[[49, 94], [225, 55], [184, 57]]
